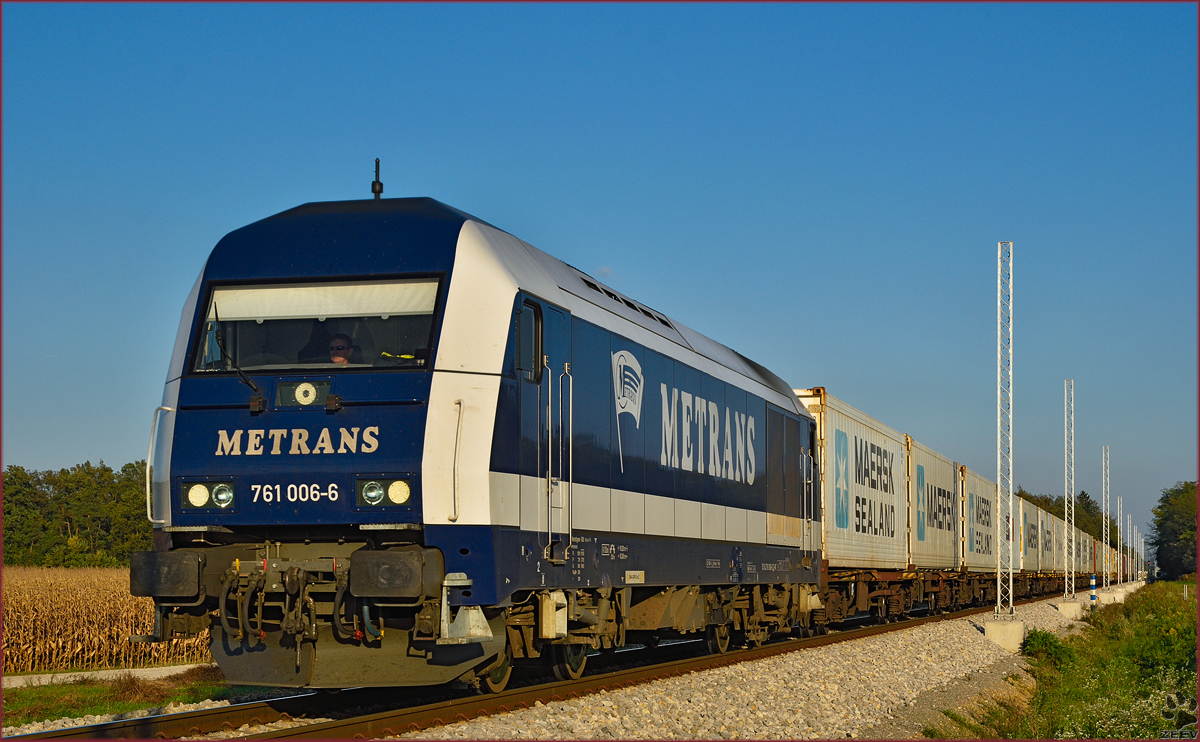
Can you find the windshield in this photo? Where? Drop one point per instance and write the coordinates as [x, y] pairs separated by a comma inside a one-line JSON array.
[[330, 326]]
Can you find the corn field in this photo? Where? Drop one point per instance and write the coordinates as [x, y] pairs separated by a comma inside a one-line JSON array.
[[78, 619]]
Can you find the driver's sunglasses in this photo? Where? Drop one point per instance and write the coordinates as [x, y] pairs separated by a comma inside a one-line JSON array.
[[339, 347]]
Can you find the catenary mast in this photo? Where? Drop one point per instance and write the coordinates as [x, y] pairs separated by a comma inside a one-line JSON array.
[[1004, 399]]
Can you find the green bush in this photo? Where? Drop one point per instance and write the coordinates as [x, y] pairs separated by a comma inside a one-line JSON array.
[[1046, 645]]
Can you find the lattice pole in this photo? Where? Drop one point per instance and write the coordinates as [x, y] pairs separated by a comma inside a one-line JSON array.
[[1069, 486], [1107, 525], [1127, 549], [1120, 534], [1135, 566], [1004, 410]]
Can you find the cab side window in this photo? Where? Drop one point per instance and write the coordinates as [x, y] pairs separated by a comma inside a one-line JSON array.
[[529, 341]]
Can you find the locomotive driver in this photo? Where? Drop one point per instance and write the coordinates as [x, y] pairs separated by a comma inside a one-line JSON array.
[[340, 348]]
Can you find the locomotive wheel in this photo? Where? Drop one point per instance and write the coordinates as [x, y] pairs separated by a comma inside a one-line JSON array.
[[754, 638], [568, 660], [496, 679], [717, 638]]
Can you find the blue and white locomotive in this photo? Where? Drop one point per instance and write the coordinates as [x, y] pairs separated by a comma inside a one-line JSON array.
[[399, 446]]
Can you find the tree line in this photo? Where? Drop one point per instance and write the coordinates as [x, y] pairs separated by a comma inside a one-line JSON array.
[[1089, 516], [1173, 533], [85, 516]]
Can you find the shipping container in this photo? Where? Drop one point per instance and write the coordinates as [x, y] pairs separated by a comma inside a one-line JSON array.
[[1060, 543], [863, 488], [1046, 531], [980, 542], [1029, 524], [933, 511]]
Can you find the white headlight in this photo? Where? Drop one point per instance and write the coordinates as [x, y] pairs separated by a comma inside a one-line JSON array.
[[223, 495], [399, 491], [372, 492], [198, 495]]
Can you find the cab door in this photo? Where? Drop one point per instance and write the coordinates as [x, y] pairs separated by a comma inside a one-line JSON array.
[[547, 395]]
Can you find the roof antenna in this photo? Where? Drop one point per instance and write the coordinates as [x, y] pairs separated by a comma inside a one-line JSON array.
[[376, 185]]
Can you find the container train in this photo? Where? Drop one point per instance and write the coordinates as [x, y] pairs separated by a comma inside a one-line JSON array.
[[399, 446]]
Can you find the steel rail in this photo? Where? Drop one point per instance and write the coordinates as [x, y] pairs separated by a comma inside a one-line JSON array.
[[415, 718], [204, 721]]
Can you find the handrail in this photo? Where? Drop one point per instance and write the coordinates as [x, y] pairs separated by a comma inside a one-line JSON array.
[[549, 376], [150, 464], [457, 444], [810, 469], [570, 451]]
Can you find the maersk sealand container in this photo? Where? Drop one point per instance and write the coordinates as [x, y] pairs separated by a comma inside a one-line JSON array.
[[933, 515], [863, 492], [1046, 523], [1029, 521], [979, 547], [1060, 543]]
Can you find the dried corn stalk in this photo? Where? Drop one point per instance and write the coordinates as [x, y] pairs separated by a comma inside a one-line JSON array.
[[78, 619]]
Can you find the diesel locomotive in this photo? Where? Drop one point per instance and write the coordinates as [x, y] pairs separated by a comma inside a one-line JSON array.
[[399, 446]]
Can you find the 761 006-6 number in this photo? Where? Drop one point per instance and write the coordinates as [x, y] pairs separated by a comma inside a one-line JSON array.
[[301, 492]]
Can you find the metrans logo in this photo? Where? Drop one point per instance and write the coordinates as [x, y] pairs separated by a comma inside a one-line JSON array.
[[295, 441], [730, 449]]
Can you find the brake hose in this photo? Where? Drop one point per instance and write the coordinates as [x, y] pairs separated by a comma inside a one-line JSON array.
[[369, 626], [230, 581], [243, 605], [340, 628]]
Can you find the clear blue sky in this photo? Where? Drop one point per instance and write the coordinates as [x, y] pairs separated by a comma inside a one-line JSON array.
[[819, 186]]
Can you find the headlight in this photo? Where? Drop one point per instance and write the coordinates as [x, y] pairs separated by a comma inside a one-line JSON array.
[[197, 495], [222, 495], [384, 491], [209, 495], [373, 493], [398, 492]]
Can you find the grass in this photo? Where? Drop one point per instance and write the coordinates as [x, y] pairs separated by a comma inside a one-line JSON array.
[[1118, 679], [122, 694], [965, 723]]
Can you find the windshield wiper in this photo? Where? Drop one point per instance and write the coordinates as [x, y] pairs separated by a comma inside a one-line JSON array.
[[225, 354]]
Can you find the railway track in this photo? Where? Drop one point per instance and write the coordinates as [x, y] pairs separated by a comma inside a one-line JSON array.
[[422, 715]]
